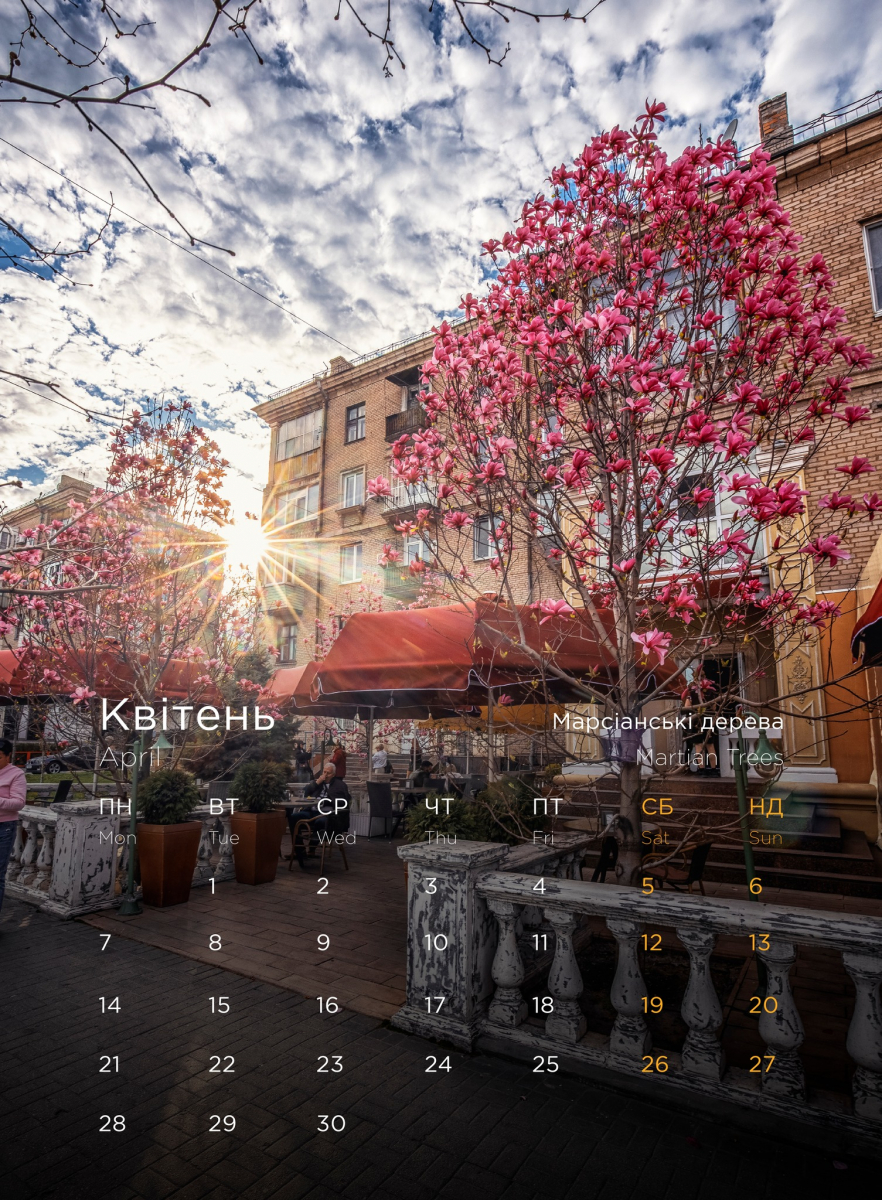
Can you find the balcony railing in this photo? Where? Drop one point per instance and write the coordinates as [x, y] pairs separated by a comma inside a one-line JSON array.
[[408, 421], [418, 495], [400, 584], [283, 597]]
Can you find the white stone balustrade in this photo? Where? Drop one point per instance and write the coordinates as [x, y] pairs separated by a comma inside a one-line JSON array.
[[472, 992], [64, 859]]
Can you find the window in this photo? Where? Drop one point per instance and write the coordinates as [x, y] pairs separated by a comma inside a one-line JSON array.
[[352, 488], [297, 506], [547, 505], [287, 643], [300, 435], [483, 545], [6, 538], [873, 244], [350, 563], [281, 566], [417, 546], [411, 396], [355, 422]]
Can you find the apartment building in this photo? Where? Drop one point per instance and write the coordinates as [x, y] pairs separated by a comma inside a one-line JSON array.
[[829, 175], [332, 433], [329, 436]]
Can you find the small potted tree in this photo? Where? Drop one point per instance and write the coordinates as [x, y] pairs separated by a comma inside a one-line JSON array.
[[257, 824], [167, 841]]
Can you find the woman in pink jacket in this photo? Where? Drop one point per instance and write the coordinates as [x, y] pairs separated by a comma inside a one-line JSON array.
[[13, 794]]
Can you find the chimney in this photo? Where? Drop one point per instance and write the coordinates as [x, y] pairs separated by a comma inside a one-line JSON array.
[[776, 132], [339, 364]]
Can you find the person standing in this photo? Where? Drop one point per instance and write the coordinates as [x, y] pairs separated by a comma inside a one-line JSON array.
[[338, 758], [13, 795], [380, 761]]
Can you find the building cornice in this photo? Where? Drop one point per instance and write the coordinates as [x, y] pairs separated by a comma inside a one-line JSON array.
[[304, 397]]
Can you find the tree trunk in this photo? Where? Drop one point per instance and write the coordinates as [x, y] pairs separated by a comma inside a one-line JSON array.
[[627, 826]]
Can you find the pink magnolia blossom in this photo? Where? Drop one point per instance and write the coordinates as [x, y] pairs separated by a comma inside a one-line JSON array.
[[654, 641], [857, 466], [555, 608], [379, 487], [81, 694], [826, 549]]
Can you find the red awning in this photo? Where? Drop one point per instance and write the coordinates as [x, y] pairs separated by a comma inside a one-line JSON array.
[[867, 633], [449, 656], [21, 675]]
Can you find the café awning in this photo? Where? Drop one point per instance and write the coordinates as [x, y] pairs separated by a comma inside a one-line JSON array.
[[450, 656], [866, 637]]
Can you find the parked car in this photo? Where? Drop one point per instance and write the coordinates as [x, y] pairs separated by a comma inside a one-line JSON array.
[[71, 759]]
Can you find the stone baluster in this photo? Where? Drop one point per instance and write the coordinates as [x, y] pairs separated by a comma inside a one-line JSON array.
[[564, 867], [566, 1021], [864, 1042], [225, 868], [531, 914], [29, 852], [781, 1029], [507, 1006], [202, 872], [630, 1037], [46, 855], [14, 869], [702, 1052]]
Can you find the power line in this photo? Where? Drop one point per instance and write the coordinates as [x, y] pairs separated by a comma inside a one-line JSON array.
[[81, 187], [71, 405]]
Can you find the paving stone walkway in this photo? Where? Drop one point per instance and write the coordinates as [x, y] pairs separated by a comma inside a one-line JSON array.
[[488, 1129]]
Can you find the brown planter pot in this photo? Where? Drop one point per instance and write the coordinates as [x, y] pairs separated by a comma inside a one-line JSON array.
[[256, 853], [168, 859]]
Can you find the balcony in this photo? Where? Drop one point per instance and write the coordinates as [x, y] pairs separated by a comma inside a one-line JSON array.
[[282, 599], [409, 421], [400, 584], [298, 467], [407, 498]]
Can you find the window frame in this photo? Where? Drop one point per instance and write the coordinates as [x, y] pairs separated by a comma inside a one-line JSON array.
[[311, 432], [480, 523], [287, 640], [354, 422], [357, 562], [413, 541], [286, 505], [352, 473], [875, 298]]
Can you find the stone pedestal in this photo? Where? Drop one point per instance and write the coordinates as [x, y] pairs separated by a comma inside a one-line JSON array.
[[451, 939], [84, 866]]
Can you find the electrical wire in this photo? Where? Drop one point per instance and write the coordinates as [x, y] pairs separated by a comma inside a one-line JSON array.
[[110, 205]]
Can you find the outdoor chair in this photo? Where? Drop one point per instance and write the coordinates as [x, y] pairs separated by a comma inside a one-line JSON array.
[[61, 791], [681, 877], [303, 836], [335, 824], [380, 805], [609, 856]]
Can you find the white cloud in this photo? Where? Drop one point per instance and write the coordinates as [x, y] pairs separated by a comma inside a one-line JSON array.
[[359, 202]]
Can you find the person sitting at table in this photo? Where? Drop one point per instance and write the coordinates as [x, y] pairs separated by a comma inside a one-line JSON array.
[[416, 784], [327, 787]]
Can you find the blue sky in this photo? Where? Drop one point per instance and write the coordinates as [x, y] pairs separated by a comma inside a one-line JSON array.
[[356, 201]]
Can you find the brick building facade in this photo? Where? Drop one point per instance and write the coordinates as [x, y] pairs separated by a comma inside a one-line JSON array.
[[333, 433], [830, 179]]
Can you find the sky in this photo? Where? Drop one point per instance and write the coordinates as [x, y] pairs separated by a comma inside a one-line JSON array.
[[356, 201]]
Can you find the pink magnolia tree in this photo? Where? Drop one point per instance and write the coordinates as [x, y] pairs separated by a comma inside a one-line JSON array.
[[624, 420], [127, 596]]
